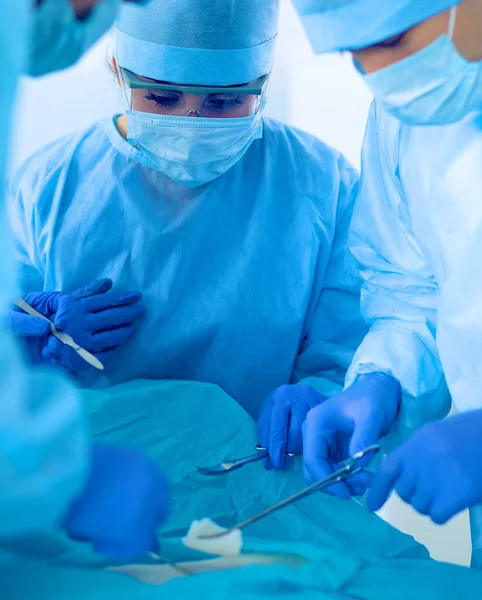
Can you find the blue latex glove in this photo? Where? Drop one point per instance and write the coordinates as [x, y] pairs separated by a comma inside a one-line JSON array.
[[344, 425], [281, 419], [98, 319], [83, 7], [438, 470], [125, 500]]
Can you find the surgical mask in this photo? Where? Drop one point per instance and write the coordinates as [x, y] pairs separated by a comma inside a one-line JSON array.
[[59, 38], [435, 86], [193, 150]]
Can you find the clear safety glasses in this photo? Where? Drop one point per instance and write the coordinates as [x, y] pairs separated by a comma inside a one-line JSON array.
[[145, 95]]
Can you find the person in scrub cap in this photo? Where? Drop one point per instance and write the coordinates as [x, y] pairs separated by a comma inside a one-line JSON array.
[[421, 60], [417, 233], [50, 476], [232, 225]]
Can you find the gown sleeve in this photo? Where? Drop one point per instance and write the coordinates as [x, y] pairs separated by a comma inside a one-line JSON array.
[[400, 296]]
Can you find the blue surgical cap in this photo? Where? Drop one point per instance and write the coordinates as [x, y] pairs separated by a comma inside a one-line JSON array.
[[206, 42], [334, 25]]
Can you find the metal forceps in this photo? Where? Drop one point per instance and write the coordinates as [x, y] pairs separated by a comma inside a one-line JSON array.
[[350, 468], [235, 463]]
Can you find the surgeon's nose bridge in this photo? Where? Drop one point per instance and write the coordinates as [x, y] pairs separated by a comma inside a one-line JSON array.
[[193, 105], [194, 113]]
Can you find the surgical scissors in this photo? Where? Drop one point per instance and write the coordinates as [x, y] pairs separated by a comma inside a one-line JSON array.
[[235, 463], [351, 467]]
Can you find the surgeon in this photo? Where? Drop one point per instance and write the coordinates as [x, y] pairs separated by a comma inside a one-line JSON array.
[[233, 226], [50, 476], [417, 232]]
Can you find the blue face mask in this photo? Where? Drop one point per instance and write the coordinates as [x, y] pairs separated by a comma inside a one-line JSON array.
[[192, 150], [435, 86], [59, 38]]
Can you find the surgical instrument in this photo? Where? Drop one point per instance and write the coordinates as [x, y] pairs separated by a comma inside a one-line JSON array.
[[65, 338], [236, 463], [351, 467]]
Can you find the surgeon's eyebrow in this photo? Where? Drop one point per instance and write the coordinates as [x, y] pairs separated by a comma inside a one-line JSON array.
[[390, 42]]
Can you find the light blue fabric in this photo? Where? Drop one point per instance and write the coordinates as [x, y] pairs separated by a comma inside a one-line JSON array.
[[220, 42], [41, 435], [193, 151], [59, 38], [247, 281], [334, 25], [350, 552], [434, 86], [326, 577], [417, 231]]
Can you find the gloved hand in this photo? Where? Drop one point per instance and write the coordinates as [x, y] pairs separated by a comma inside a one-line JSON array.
[[97, 319], [438, 470], [281, 419], [82, 7], [344, 425], [126, 498], [27, 326]]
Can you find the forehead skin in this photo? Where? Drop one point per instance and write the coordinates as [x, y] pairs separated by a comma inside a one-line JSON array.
[[377, 57]]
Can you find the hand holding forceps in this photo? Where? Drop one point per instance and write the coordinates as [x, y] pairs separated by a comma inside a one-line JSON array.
[[350, 467]]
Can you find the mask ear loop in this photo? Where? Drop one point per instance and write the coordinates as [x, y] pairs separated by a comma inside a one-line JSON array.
[[261, 101], [452, 22]]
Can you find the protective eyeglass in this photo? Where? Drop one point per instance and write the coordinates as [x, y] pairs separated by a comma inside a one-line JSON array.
[[191, 100]]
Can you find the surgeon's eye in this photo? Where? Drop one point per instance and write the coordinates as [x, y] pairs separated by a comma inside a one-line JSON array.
[[167, 100], [391, 42], [222, 103]]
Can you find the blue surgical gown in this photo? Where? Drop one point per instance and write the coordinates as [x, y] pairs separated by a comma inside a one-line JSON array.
[[417, 232], [247, 280], [42, 444]]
